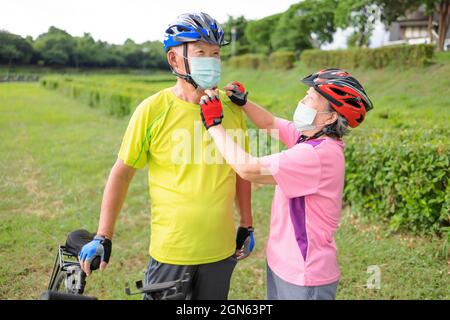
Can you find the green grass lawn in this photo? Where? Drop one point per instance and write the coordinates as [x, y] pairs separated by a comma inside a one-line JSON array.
[[55, 157]]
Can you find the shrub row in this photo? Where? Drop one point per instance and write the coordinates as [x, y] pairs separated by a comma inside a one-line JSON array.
[[401, 176], [397, 56], [282, 60], [277, 60], [116, 103]]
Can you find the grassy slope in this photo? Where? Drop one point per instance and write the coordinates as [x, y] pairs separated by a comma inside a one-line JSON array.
[[54, 160], [401, 98]]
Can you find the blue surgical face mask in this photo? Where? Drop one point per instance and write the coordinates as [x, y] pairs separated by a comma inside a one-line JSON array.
[[304, 117], [205, 71]]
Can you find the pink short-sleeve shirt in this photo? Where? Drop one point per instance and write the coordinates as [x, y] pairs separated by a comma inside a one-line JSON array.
[[306, 208]]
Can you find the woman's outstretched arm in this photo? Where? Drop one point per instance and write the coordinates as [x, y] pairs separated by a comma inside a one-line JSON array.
[[245, 165], [262, 118]]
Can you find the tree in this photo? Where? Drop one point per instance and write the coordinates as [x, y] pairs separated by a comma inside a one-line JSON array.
[[259, 32], [149, 54], [110, 55], [14, 48], [86, 52], [442, 8], [304, 25], [132, 54], [391, 10], [56, 47], [239, 24], [155, 55], [357, 39], [361, 15], [9, 53], [318, 15], [290, 33]]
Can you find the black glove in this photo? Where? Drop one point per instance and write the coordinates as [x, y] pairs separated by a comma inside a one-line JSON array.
[[245, 241], [239, 95]]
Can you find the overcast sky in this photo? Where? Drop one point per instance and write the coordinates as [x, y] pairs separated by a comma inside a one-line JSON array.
[[116, 20]]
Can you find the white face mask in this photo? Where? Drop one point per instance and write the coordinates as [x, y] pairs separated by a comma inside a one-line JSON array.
[[304, 117], [205, 71]]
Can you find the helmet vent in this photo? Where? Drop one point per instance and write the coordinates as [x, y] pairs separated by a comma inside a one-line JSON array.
[[339, 92], [180, 29], [198, 24], [353, 103]]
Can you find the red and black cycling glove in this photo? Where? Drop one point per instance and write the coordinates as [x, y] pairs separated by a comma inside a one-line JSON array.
[[239, 95], [211, 111]]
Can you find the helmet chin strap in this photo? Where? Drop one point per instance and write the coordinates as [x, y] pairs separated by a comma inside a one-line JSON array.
[[304, 138], [324, 131], [186, 76]]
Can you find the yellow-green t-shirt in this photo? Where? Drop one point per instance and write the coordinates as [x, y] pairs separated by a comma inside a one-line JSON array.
[[192, 189]]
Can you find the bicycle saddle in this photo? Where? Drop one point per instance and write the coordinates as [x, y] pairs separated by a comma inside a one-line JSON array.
[[77, 239]]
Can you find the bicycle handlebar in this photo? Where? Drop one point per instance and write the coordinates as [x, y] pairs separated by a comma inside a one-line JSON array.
[[53, 295], [95, 264]]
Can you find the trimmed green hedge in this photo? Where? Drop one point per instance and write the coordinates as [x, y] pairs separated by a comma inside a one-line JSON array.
[[282, 60], [116, 103], [401, 176], [398, 56], [250, 61], [277, 60]]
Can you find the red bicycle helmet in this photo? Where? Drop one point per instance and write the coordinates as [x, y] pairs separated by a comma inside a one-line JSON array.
[[345, 94]]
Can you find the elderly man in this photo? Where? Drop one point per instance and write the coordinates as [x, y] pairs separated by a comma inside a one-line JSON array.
[[192, 197]]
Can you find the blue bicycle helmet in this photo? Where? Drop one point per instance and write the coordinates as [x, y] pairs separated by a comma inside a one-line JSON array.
[[190, 27]]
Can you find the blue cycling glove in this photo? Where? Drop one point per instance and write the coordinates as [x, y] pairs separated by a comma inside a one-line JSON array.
[[99, 247]]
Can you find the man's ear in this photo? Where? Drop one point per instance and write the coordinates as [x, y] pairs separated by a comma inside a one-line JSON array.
[[172, 59]]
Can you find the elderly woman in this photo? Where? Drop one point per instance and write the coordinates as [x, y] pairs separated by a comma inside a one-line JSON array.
[[309, 178]]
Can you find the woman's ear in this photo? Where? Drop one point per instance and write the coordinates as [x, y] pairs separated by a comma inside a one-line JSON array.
[[333, 118]]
